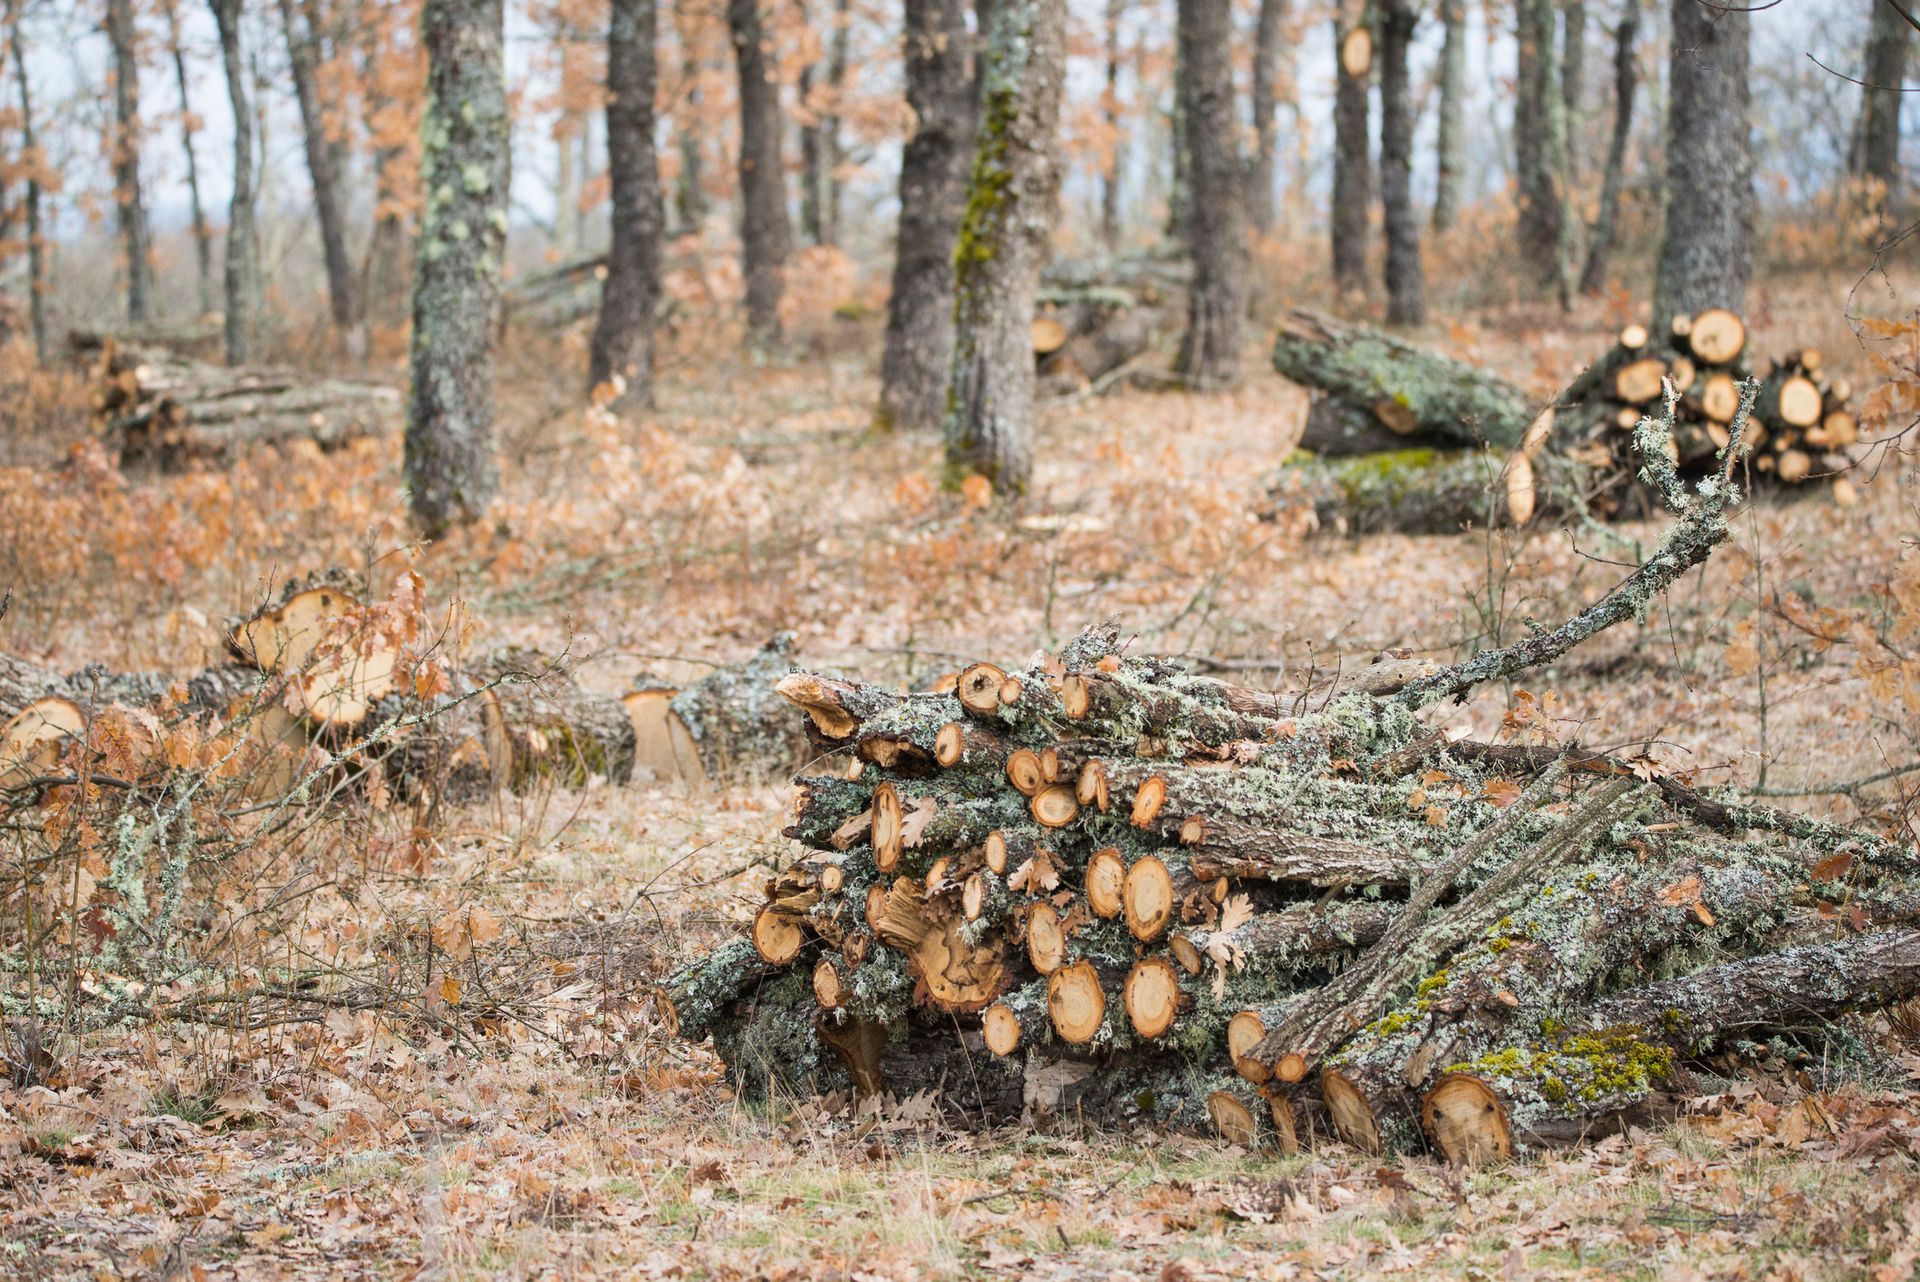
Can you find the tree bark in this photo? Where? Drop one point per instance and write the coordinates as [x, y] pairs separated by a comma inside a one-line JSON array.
[[1352, 166], [1406, 280], [1875, 152], [832, 149], [933, 184], [202, 236], [690, 195], [30, 150], [1003, 239], [1540, 145], [623, 336], [1573, 76], [1706, 254], [1216, 223], [1626, 77], [1452, 141], [1179, 167], [135, 240], [384, 66], [1269, 32], [456, 290], [765, 236], [303, 36], [243, 244], [1110, 110]]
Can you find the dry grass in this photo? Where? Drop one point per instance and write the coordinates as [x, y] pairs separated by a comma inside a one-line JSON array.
[[533, 1119]]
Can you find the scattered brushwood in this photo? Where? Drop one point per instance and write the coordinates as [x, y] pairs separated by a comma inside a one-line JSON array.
[[161, 409], [1397, 438], [1100, 889], [1098, 317]]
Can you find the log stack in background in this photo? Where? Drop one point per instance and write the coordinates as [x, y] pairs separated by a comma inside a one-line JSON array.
[[1402, 438], [1102, 889], [158, 408]]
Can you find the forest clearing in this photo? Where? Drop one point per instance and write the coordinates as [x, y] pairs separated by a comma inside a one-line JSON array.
[[763, 710]]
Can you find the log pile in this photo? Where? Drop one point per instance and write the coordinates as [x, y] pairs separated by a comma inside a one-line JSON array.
[[1101, 889], [1096, 317], [1401, 438], [157, 408]]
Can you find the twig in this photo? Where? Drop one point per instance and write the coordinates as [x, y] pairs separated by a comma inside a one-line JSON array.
[[1702, 526]]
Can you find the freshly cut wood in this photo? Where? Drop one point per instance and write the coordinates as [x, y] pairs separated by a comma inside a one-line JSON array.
[[1639, 383], [903, 922], [889, 827], [1234, 1119], [1717, 336], [1244, 1032], [30, 739], [958, 744], [1075, 1002], [1003, 1028], [1152, 996], [1790, 399], [1050, 334], [956, 975], [1794, 465], [1719, 397], [777, 936], [1106, 875], [1841, 428], [1148, 897], [1046, 941], [835, 708], [1465, 1120], [1633, 337], [1054, 807], [661, 742], [1356, 52], [1024, 772], [978, 689], [1148, 800], [826, 984]]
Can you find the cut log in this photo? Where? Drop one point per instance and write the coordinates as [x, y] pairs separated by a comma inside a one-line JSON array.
[[1356, 52], [1788, 400], [1076, 1004], [550, 729], [1152, 996], [1445, 401], [1639, 383], [662, 744], [1717, 336], [740, 722]]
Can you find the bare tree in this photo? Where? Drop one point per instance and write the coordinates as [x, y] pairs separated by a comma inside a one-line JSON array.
[[1011, 200], [1352, 165], [1268, 35], [202, 235], [1573, 75], [1406, 281], [1540, 145], [690, 195], [1626, 77], [623, 336], [933, 190], [30, 157], [1706, 253], [243, 245], [303, 36], [1452, 141], [1875, 151], [765, 234], [1110, 111], [135, 240], [382, 272], [1216, 222], [456, 286]]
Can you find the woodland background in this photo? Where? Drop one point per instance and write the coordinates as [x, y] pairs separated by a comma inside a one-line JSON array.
[[492, 1091]]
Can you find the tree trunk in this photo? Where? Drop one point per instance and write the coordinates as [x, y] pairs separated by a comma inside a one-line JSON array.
[[243, 245], [623, 337], [1352, 166], [1110, 112], [1216, 223], [457, 259], [690, 195], [1002, 244], [1540, 143], [1451, 142], [29, 148], [1875, 152], [1706, 254], [1406, 280], [832, 150], [933, 184], [383, 66], [811, 167], [202, 236], [1573, 77], [1179, 166], [135, 240], [764, 233], [1626, 77], [1269, 31], [303, 38]]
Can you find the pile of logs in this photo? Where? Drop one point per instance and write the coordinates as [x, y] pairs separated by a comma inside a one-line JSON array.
[[1101, 890], [158, 408], [1097, 317], [317, 667], [1402, 438]]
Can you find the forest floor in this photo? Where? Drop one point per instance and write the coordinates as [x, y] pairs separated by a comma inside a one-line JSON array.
[[534, 1119]]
